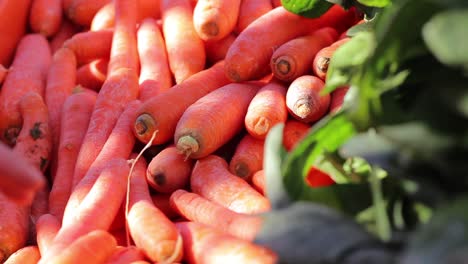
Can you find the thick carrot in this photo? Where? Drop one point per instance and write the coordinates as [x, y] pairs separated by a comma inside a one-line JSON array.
[[169, 170], [201, 210], [249, 56], [125, 255], [323, 57], [337, 98], [293, 132], [25, 255], [81, 12], [27, 74], [3, 73], [304, 100], [155, 75], [258, 181], [216, 49], [93, 74], [185, 49], [150, 229], [45, 16], [67, 30], [161, 201], [90, 45], [248, 157], [214, 119], [211, 179], [47, 227], [13, 25], [249, 11], [76, 113], [161, 114], [267, 108], [204, 244], [289, 61], [214, 20]]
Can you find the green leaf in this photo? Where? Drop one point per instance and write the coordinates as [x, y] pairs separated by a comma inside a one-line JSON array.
[[375, 3], [307, 8], [362, 27]]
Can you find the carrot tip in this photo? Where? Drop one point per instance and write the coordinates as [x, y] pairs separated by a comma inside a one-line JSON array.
[[323, 64], [242, 170], [210, 29], [262, 126], [159, 178], [284, 66], [303, 108], [144, 124], [187, 145]]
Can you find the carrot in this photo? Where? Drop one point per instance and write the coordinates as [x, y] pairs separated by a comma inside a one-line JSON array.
[[27, 74], [204, 244], [258, 181], [67, 30], [161, 201], [155, 75], [40, 204], [211, 179], [276, 3], [82, 12], [304, 101], [248, 157], [337, 98], [47, 227], [76, 113], [213, 120], [152, 232], [94, 247], [90, 45], [125, 255], [293, 132], [13, 25], [318, 178], [289, 61], [201, 210], [249, 56], [249, 11], [25, 255], [323, 57], [169, 170], [216, 49], [3, 73], [185, 49], [93, 74], [162, 114], [267, 108], [214, 20], [45, 16]]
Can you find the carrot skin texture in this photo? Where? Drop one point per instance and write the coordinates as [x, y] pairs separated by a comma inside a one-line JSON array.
[[293, 132], [249, 11], [90, 45], [214, 20], [45, 16], [258, 181], [47, 227], [26, 255], [81, 12], [93, 74], [124, 255], [248, 157]]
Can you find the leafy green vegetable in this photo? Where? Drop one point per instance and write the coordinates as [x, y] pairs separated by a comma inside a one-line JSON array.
[[307, 8]]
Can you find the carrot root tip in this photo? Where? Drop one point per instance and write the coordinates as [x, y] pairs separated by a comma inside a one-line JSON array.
[[143, 124], [241, 169], [210, 29], [159, 178], [303, 108], [262, 126], [284, 66], [323, 64], [187, 145]]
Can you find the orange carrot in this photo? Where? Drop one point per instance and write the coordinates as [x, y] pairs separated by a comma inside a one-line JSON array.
[[247, 61], [155, 75], [125, 255], [323, 57], [214, 20], [76, 113], [289, 61], [337, 98], [13, 25], [67, 30], [249, 11], [213, 120], [82, 12], [161, 114], [25, 255], [3, 73], [293, 132], [318, 178], [201, 210], [185, 49], [276, 3], [27, 74], [204, 244], [169, 170], [90, 45], [258, 181], [248, 157], [45, 16], [211, 179], [93, 74], [304, 101], [266, 109], [150, 229], [216, 49], [47, 227], [161, 201]]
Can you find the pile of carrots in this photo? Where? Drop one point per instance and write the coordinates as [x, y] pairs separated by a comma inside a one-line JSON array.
[[133, 131]]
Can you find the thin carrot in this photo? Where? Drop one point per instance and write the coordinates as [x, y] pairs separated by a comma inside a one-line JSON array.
[[169, 170], [304, 100], [155, 74], [211, 179], [162, 114], [161, 201], [214, 119], [201, 210], [125, 255], [150, 229], [267, 108], [67, 30], [82, 12], [337, 98], [185, 49], [93, 74], [289, 61], [214, 20], [25, 255], [249, 56], [204, 244], [45, 16], [90, 45], [47, 227], [248, 157], [258, 181], [293, 132], [216, 49], [27, 74], [251, 10], [76, 113], [323, 57]]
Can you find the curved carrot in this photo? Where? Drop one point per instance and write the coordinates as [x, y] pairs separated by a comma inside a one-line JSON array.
[[93, 74], [258, 181], [214, 119], [25, 255], [323, 57], [289, 61], [125, 255], [67, 30], [90, 45], [249, 11], [216, 49], [293, 132], [212, 180], [337, 98], [185, 50], [47, 227], [248, 157], [45, 16], [161, 114], [214, 20], [81, 12]]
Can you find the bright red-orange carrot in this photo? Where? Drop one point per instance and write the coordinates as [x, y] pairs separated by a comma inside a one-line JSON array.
[[90, 45], [45, 16], [25, 255], [293, 132], [276, 3], [304, 101], [249, 11], [318, 178], [249, 56], [204, 244], [337, 98], [150, 229], [27, 74], [267, 108], [185, 49], [93, 74], [125, 255], [13, 25], [47, 227], [161, 114], [213, 120], [169, 170], [289, 61], [201, 210], [211, 179], [81, 12], [216, 49], [214, 20], [155, 75], [76, 113], [3, 73], [161, 201], [323, 57], [67, 30], [248, 157], [258, 181]]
